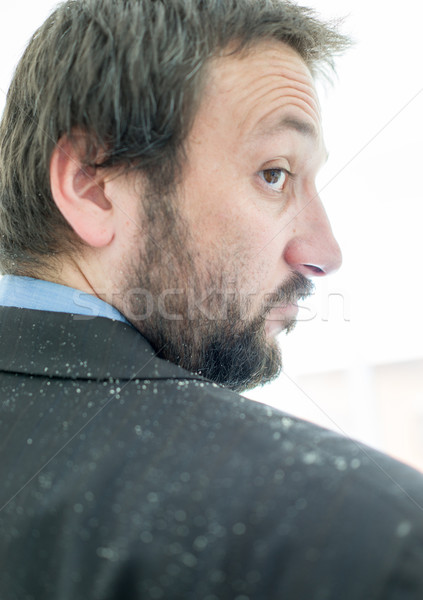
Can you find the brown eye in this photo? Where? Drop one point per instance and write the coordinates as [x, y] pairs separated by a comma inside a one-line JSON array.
[[275, 178]]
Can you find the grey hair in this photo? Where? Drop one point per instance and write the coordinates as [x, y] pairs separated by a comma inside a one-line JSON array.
[[129, 75]]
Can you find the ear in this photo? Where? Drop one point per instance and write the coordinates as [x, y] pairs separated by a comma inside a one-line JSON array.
[[79, 195]]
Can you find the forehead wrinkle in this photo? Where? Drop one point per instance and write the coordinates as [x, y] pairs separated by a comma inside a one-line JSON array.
[[279, 78], [290, 120], [274, 87], [270, 89], [257, 85], [289, 105], [279, 62]]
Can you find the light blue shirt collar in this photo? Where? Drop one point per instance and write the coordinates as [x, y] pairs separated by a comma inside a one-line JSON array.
[[37, 294]]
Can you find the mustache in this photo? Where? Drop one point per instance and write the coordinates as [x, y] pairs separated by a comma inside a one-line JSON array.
[[296, 288]]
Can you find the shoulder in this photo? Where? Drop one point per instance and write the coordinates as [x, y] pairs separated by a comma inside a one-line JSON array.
[[178, 485], [251, 446], [222, 478]]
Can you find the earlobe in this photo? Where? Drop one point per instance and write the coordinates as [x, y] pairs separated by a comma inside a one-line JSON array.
[[79, 193]]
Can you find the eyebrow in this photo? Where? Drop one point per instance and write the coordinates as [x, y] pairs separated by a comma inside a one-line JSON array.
[[303, 127], [292, 123]]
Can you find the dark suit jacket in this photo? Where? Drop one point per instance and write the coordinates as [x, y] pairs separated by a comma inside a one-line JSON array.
[[125, 477]]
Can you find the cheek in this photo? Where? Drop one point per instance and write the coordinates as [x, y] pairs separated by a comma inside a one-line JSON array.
[[232, 229], [266, 268], [257, 258]]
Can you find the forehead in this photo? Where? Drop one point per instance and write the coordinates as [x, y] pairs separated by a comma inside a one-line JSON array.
[[257, 91]]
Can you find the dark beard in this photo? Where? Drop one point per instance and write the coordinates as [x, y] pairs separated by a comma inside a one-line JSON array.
[[189, 319]]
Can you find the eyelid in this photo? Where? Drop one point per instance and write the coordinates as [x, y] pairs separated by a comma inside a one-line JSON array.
[[278, 162]]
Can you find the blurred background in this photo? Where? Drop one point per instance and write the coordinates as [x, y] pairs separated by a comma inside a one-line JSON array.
[[355, 361]]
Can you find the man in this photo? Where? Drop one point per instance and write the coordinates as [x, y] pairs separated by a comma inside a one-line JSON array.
[[159, 222]]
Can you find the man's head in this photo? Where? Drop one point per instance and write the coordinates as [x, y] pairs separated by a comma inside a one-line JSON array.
[[177, 143]]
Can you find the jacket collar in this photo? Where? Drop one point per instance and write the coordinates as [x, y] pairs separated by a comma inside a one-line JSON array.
[[63, 345]]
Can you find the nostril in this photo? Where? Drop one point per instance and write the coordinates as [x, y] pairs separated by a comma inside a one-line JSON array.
[[315, 269]]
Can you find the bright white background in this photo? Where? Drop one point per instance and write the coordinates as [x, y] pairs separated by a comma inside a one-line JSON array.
[[370, 312]]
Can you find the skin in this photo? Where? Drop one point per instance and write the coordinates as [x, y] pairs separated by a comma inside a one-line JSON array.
[[271, 230], [248, 215]]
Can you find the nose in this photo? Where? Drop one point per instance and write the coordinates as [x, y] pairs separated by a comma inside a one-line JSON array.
[[312, 249]]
